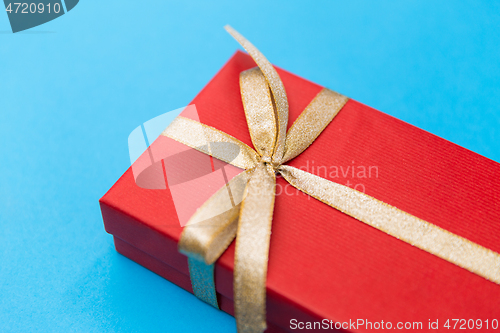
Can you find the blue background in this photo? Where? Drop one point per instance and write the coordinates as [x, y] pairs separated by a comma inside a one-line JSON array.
[[73, 89]]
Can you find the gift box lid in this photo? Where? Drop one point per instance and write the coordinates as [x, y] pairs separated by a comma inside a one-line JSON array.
[[323, 263]]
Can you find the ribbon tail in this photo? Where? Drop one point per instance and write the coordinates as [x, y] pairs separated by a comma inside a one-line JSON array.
[[209, 232], [202, 281], [252, 251], [397, 223]]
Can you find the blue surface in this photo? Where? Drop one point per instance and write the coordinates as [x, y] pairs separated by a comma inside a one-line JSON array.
[[73, 89]]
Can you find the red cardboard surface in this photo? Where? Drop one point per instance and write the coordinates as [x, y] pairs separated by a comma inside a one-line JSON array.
[[323, 263]]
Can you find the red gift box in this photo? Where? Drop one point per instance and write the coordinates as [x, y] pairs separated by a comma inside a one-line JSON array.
[[326, 268]]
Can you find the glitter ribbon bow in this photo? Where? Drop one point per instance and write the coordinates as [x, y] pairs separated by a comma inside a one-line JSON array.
[[249, 218]]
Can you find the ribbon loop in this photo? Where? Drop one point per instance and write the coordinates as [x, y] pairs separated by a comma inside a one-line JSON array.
[[259, 111], [277, 89]]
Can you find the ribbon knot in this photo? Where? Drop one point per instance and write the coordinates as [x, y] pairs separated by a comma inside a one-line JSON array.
[[268, 162], [249, 216], [266, 159]]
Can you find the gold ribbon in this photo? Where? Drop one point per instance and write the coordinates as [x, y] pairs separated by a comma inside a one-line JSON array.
[[251, 193]]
